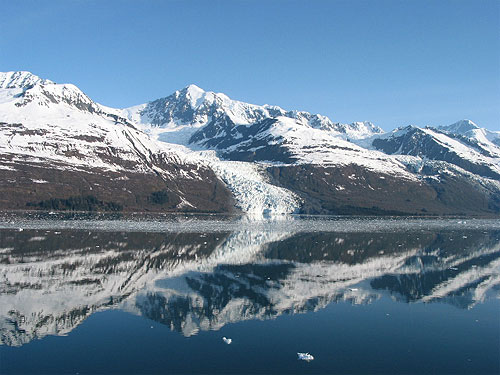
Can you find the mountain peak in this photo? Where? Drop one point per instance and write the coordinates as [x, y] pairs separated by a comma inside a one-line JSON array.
[[20, 79], [194, 94], [460, 127], [193, 89]]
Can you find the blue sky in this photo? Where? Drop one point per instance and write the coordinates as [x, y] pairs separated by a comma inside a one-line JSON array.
[[390, 62]]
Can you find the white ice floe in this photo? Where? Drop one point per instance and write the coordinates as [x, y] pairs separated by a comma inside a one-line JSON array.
[[305, 357]]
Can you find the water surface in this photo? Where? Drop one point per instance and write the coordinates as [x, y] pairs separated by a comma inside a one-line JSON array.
[[156, 294]]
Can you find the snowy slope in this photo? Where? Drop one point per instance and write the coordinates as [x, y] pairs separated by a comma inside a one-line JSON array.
[[176, 117], [20, 79], [59, 122], [480, 137], [302, 144], [433, 144]]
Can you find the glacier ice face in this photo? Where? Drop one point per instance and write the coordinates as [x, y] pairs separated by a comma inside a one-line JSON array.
[[255, 196]]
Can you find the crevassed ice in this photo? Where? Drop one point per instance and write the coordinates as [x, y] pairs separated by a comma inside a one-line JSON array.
[[254, 195]]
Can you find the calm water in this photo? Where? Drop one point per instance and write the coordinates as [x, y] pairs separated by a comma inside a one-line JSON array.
[[156, 295]]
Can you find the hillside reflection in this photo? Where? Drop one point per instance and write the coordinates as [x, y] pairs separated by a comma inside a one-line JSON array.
[[51, 281]]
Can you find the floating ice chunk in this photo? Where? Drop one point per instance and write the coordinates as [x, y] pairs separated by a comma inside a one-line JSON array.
[[305, 357], [227, 340]]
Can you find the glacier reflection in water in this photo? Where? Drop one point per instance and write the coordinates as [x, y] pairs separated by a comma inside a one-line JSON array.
[[191, 282]]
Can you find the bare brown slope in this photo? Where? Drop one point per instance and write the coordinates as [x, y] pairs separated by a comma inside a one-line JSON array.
[[331, 190], [34, 186]]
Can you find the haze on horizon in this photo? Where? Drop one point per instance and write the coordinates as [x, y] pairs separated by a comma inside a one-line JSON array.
[[390, 62]]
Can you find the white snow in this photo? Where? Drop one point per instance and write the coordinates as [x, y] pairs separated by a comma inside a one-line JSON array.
[[315, 146], [447, 141], [488, 139], [196, 95], [20, 79]]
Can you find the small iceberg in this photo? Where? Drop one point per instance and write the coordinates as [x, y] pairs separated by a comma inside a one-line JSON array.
[[305, 357], [227, 340]]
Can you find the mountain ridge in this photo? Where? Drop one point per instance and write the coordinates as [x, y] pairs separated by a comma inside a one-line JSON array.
[[198, 107], [259, 159]]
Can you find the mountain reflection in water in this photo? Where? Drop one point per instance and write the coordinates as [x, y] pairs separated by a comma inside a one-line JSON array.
[[51, 281]]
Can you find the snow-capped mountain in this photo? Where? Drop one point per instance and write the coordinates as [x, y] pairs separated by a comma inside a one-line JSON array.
[[201, 151], [433, 144], [57, 143], [192, 108], [293, 146], [247, 132], [472, 130], [484, 140], [52, 281]]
